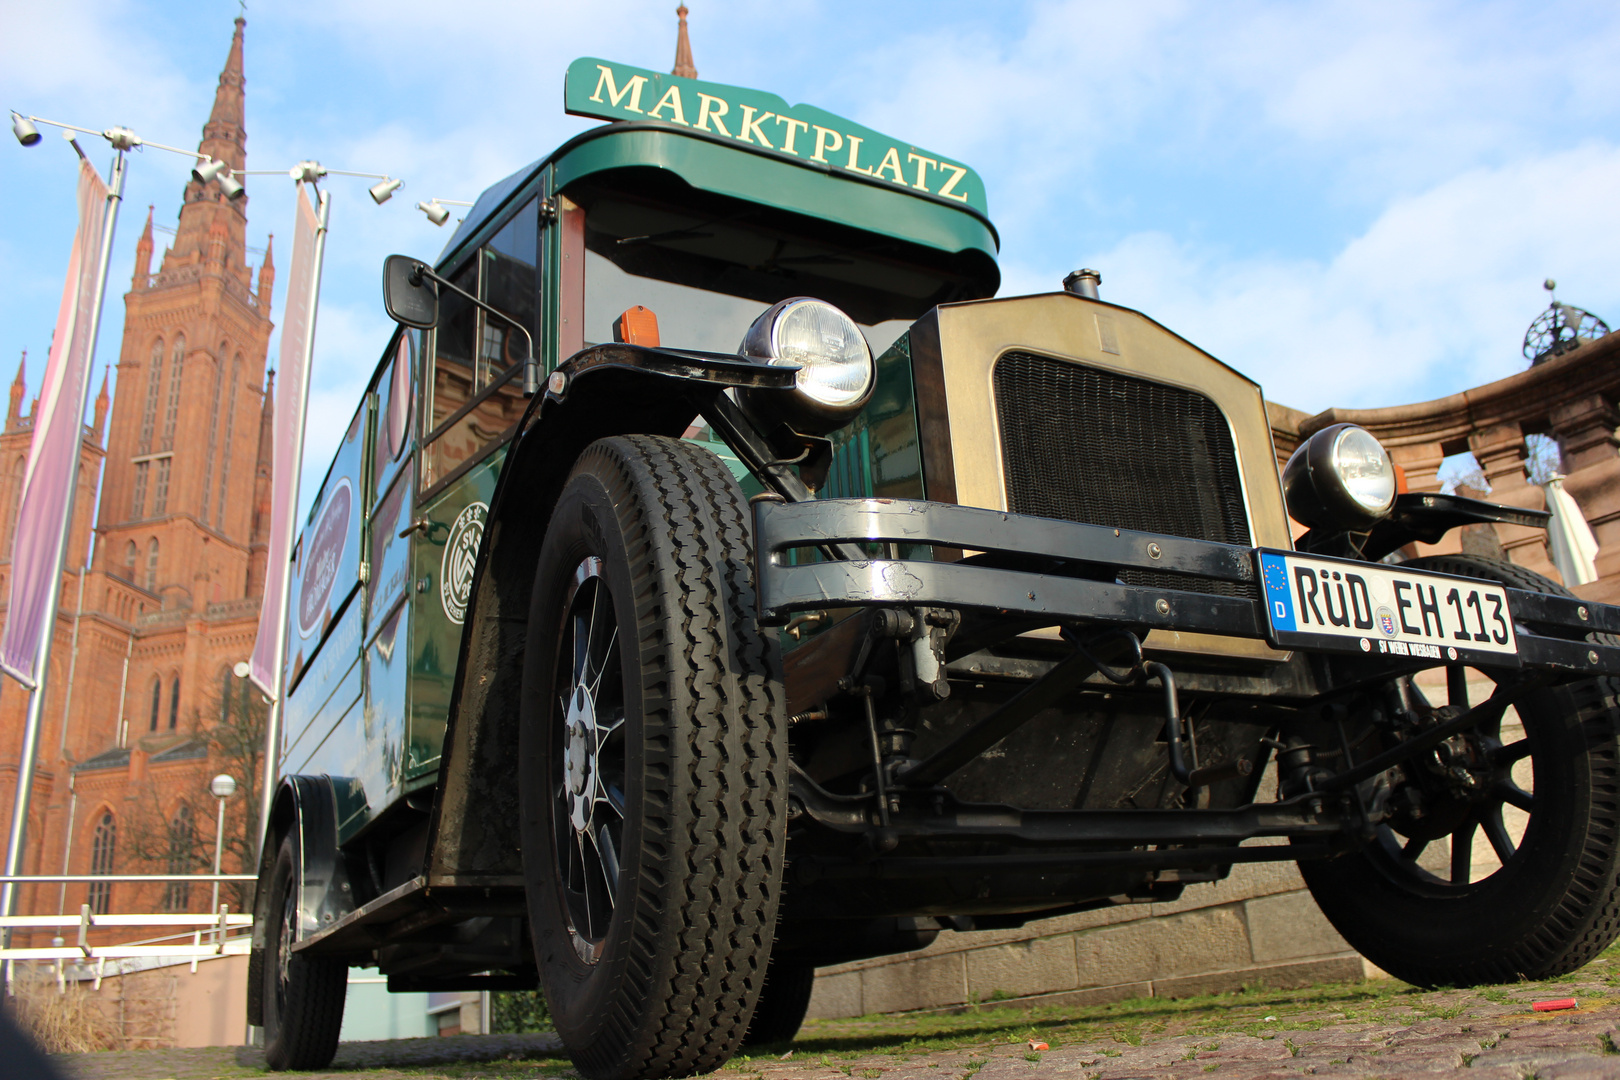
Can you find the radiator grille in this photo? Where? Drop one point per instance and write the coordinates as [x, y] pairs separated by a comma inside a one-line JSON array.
[[1082, 444]]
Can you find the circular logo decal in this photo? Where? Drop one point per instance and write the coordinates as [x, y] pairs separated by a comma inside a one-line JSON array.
[[323, 554], [460, 557], [1386, 621]]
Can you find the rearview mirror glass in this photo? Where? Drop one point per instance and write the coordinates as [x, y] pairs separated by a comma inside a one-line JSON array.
[[410, 298]]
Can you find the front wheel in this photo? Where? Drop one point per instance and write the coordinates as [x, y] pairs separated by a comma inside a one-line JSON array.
[[654, 756], [1500, 858], [303, 995]]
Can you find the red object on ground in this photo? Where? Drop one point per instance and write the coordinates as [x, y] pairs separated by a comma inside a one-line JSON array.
[[1035, 1044], [1554, 1005]]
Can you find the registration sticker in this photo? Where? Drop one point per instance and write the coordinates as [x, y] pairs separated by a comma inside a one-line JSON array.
[[1380, 609]]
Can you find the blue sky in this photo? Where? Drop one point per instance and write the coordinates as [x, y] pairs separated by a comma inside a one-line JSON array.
[[1354, 203]]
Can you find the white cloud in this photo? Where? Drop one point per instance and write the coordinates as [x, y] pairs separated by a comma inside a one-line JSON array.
[[1436, 293]]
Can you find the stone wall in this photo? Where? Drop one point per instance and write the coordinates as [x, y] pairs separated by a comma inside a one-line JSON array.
[[1258, 927]]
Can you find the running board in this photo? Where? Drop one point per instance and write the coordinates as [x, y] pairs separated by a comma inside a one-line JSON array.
[[408, 910]]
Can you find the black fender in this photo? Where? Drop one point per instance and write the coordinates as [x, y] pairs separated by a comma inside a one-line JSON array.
[[601, 392], [304, 807]]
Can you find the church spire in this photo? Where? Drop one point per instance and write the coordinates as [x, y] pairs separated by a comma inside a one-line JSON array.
[[103, 400], [224, 138], [143, 254], [683, 48], [19, 387], [267, 274]]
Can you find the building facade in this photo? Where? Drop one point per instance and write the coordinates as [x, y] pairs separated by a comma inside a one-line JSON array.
[[141, 706]]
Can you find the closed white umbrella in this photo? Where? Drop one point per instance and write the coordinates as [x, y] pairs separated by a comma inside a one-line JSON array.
[[1569, 538]]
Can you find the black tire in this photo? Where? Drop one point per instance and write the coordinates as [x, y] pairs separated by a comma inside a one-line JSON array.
[[653, 736], [1554, 903], [303, 995], [782, 1004]]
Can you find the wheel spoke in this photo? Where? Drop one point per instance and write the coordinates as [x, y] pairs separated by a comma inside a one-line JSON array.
[[1462, 852], [605, 661], [1512, 752], [610, 862], [1413, 848], [1497, 833], [1457, 685], [613, 798], [1513, 795]]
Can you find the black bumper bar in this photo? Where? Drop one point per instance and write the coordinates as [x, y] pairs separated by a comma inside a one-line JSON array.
[[1551, 629]]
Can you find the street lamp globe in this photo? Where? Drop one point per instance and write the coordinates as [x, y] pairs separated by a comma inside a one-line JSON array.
[[223, 786]]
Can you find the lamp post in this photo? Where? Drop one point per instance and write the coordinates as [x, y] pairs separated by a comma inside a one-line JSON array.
[[223, 787]]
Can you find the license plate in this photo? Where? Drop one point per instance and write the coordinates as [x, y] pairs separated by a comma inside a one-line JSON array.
[[1383, 609]]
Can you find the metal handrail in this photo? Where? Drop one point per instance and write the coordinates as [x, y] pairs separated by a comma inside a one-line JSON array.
[[24, 879]]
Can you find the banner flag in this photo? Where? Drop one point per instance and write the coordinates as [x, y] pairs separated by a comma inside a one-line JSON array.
[[289, 437], [53, 466]]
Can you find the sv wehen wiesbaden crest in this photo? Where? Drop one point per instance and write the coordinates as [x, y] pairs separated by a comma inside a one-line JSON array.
[[460, 559]]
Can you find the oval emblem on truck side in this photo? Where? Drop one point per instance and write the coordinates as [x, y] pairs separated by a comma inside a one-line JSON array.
[[327, 545], [460, 558]]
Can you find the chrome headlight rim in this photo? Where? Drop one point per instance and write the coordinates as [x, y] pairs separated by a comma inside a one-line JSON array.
[[816, 404], [1342, 477]]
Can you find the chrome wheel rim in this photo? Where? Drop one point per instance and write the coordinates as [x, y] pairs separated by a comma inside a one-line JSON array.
[[588, 781]]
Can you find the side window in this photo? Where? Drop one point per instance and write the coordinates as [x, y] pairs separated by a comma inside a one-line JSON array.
[[477, 395]]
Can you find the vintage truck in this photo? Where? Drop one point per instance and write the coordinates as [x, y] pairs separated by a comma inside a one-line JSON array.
[[717, 581]]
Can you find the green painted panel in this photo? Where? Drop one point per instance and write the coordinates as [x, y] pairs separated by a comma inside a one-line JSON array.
[[442, 562], [762, 122], [329, 685], [723, 170]]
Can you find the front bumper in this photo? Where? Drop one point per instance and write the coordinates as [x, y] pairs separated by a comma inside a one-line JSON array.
[[1551, 630]]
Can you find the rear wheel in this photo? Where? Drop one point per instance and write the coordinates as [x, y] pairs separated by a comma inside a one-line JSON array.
[[654, 816], [303, 995], [782, 1004], [1500, 860]]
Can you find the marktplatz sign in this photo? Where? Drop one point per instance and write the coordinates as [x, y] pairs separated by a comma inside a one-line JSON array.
[[766, 123]]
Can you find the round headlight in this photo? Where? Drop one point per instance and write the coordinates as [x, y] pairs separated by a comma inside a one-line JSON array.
[[1341, 477], [835, 364]]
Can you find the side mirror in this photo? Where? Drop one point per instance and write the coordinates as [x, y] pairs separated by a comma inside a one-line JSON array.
[[409, 295]]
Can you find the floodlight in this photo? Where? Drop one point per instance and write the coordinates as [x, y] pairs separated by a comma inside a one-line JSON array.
[[307, 171], [207, 169], [231, 186], [435, 213], [381, 193], [24, 129], [241, 669]]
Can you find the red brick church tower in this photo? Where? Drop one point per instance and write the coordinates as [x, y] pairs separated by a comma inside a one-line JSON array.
[[140, 688]]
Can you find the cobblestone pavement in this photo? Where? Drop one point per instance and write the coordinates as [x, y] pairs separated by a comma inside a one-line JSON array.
[[1359, 1030]]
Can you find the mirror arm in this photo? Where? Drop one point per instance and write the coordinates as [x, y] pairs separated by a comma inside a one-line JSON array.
[[531, 366]]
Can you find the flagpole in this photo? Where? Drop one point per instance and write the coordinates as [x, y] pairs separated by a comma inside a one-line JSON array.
[[272, 726], [36, 695]]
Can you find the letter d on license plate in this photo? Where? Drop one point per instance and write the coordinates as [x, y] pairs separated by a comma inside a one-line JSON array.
[[1384, 610]]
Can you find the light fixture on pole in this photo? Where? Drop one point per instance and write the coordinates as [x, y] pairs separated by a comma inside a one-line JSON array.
[[24, 129], [381, 193], [213, 169], [223, 787], [435, 209], [309, 172]]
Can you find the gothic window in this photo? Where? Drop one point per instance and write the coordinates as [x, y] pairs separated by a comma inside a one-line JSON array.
[[225, 688], [213, 426], [131, 554], [137, 503], [17, 469], [102, 856], [174, 704], [230, 431], [160, 490], [182, 838], [175, 367], [154, 384], [151, 564], [157, 699]]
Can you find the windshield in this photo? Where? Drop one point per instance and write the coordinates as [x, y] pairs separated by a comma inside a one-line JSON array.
[[708, 265], [688, 318]]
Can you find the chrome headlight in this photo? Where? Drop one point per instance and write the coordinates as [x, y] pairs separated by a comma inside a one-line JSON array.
[[836, 372], [1341, 477]]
